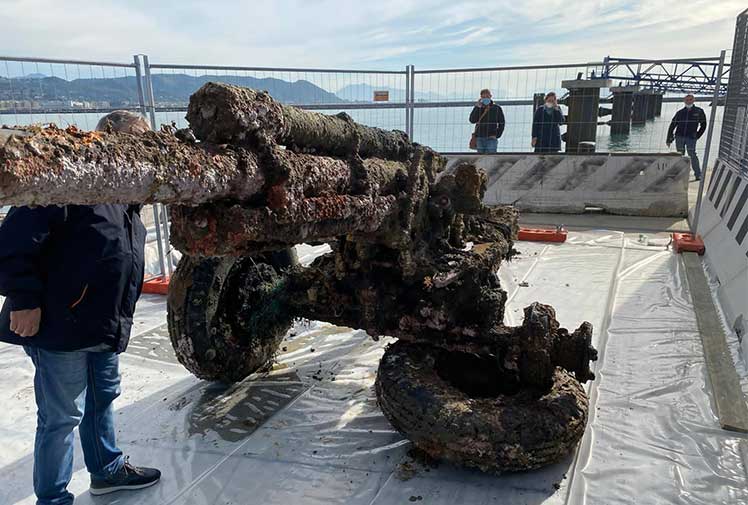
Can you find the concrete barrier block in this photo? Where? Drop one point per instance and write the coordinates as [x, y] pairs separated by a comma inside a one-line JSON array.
[[653, 185]]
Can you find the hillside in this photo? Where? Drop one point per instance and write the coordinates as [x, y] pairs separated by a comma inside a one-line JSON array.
[[169, 89]]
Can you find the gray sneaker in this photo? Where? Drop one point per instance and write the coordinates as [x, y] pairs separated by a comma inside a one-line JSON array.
[[130, 477]]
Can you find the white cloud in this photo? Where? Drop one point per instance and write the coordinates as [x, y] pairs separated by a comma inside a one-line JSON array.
[[386, 33]]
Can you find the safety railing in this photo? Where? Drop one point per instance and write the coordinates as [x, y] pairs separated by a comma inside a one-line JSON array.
[[78, 93], [432, 105], [444, 99], [373, 97], [66, 92]]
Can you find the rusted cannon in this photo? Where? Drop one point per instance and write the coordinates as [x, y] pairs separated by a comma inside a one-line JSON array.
[[415, 256]]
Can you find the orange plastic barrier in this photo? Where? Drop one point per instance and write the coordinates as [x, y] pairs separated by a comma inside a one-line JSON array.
[[687, 242], [156, 286], [541, 235]]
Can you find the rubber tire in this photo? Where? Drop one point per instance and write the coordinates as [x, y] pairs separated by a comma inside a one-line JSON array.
[[506, 433], [203, 343]]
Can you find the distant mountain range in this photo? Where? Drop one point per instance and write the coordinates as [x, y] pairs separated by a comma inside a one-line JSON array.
[[169, 89], [179, 87], [45, 89], [175, 90]]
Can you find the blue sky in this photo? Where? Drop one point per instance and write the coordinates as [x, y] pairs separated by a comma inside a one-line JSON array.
[[382, 34]]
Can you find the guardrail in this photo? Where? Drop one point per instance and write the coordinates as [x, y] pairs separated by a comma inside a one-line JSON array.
[[77, 92], [328, 90], [431, 105]]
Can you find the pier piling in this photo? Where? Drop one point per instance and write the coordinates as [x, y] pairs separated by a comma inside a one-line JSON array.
[[658, 104], [623, 100], [651, 99], [639, 112], [583, 102]]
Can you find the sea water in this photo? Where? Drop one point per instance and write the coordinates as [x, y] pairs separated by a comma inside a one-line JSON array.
[[447, 129]]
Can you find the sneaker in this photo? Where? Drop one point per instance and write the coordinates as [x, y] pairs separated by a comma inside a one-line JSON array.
[[130, 477]]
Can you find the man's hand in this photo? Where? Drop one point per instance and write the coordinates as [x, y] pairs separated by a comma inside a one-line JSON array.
[[534, 141], [25, 323]]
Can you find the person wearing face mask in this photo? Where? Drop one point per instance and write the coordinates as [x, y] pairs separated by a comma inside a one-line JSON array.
[[687, 126], [546, 131], [489, 122]]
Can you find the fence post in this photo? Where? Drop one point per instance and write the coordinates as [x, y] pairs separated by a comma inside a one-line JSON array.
[[412, 101], [139, 80], [159, 210], [407, 100], [167, 252], [159, 243], [149, 92], [707, 149]]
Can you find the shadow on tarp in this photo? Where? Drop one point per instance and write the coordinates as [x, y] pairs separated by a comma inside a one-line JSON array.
[[652, 430], [197, 433]]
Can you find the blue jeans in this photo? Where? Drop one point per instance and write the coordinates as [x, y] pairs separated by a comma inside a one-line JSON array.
[[486, 144], [73, 388], [689, 143]]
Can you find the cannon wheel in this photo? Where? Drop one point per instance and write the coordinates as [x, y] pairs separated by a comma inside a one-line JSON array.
[[473, 419], [226, 315]]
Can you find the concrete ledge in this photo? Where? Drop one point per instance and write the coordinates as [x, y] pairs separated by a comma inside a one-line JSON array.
[[599, 221], [586, 83], [653, 185], [725, 383]]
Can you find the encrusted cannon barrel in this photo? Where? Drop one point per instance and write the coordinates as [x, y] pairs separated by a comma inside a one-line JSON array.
[[253, 198], [224, 113], [49, 166]]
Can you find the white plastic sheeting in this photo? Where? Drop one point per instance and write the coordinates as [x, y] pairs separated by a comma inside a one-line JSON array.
[[652, 436]]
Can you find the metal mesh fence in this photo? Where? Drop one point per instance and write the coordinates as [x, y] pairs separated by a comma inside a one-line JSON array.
[[77, 93], [444, 99], [65, 92], [374, 98], [671, 79], [734, 142], [433, 106]]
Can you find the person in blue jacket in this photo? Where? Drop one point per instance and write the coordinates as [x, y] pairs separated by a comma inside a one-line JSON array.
[[687, 126], [546, 122], [71, 276]]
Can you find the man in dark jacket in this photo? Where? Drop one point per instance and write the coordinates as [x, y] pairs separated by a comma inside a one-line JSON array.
[[546, 131], [687, 126], [71, 276], [489, 120]]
